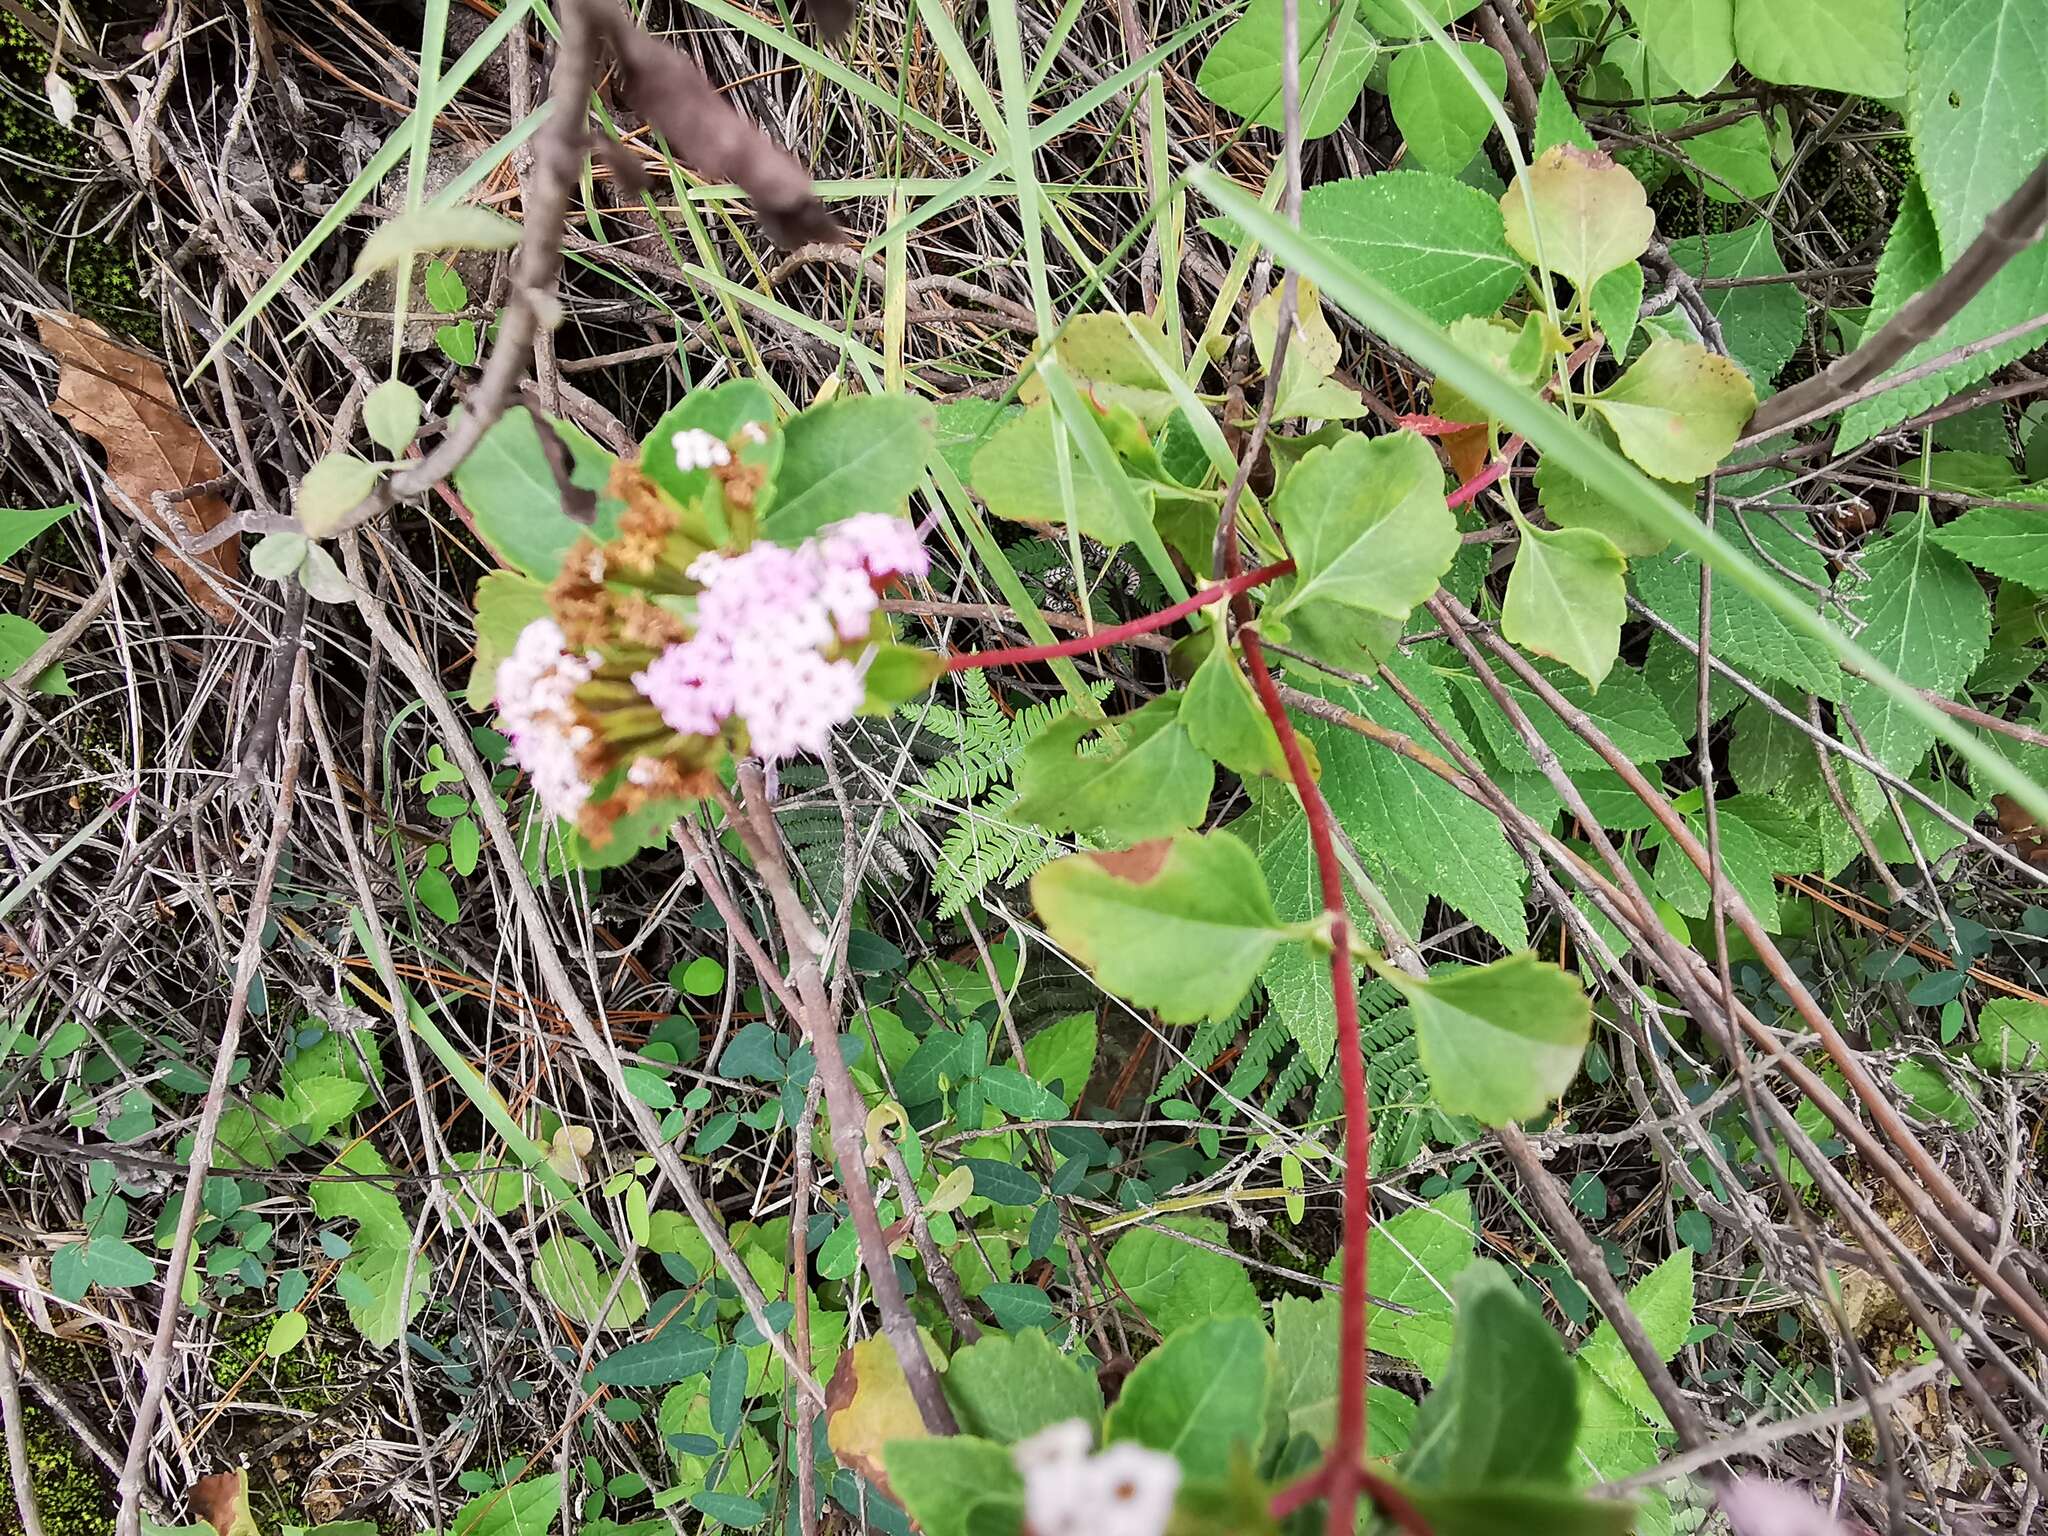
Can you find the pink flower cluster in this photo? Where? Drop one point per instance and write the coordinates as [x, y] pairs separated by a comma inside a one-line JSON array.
[[764, 622], [536, 688]]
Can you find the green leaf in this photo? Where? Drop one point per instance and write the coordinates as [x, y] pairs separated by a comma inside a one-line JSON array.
[[1663, 1303], [506, 602], [1396, 19], [1007, 1387], [1578, 213], [1413, 1260], [1435, 241], [462, 227], [958, 1485], [1313, 353], [458, 342], [1201, 1395], [963, 426], [526, 1508], [1443, 119], [1925, 617], [1854, 46], [108, 1261], [1692, 41], [1223, 718], [1734, 162], [1148, 782], [1017, 472], [672, 1355], [331, 490], [1241, 73], [1182, 925], [1305, 1345], [2006, 541], [1678, 409], [1064, 1052], [723, 411], [2012, 1036], [1176, 1284], [1567, 598], [1524, 1510], [375, 1271], [1499, 1041], [864, 454], [322, 578], [1017, 1096], [568, 1275], [446, 290], [1507, 1408], [1974, 107], [1616, 298], [17, 529], [1931, 1095], [1368, 525], [278, 556], [436, 893], [391, 415], [892, 675], [1400, 812], [1556, 122], [1745, 632], [1912, 259], [20, 639], [287, 1329], [506, 484], [1108, 364], [1763, 324]]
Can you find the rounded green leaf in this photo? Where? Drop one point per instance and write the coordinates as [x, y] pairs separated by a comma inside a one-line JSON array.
[[331, 490], [1678, 409], [1368, 524], [1438, 112], [1182, 926], [286, 1330], [1576, 212], [864, 454], [391, 415], [464, 227], [277, 556], [1499, 1041], [1567, 597]]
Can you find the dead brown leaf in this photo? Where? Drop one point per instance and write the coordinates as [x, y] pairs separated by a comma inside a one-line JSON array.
[[123, 402], [222, 1501]]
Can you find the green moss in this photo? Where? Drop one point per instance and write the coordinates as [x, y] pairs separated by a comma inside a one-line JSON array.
[[99, 277], [72, 1493]]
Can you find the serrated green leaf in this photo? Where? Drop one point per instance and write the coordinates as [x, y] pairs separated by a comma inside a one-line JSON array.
[[1151, 780], [1368, 524], [1924, 615], [1734, 162], [1201, 1395], [1182, 925], [2006, 541], [2012, 1036], [1443, 119], [1435, 241], [1764, 323], [1678, 409], [1855, 46], [1007, 1387], [1584, 214], [1556, 122], [1176, 1284], [1567, 598], [1241, 72], [1499, 1041], [958, 1485]]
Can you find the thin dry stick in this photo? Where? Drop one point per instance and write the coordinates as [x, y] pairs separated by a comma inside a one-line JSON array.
[[17, 1439], [157, 1370], [845, 1110], [2012, 227]]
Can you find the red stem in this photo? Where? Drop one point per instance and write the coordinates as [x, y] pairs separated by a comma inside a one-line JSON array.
[[1486, 476], [1102, 639], [1345, 1471]]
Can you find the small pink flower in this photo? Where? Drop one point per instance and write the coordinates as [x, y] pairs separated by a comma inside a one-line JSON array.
[[536, 691], [1756, 1506], [884, 547]]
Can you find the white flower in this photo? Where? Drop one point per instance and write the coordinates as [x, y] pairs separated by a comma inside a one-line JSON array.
[[1124, 1490], [1756, 1506], [698, 449]]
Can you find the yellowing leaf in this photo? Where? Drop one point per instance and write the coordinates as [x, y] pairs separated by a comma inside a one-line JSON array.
[[867, 1406], [1566, 598], [1182, 925], [1499, 1041], [1678, 409], [463, 227], [1577, 212]]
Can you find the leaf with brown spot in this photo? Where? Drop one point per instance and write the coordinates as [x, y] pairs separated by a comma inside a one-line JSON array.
[[222, 1501], [123, 402], [868, 1405]]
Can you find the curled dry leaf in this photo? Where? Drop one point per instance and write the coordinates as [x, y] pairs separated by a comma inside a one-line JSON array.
[[222, 1501], [123, 402]]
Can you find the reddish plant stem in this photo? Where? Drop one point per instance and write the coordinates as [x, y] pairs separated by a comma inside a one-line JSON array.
[[1103, 639], [1486, 476], [1345, 1472]]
